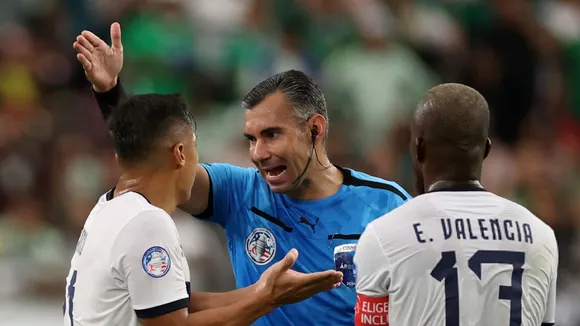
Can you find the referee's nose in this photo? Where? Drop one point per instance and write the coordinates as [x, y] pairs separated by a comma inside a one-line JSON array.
[[259, 152]]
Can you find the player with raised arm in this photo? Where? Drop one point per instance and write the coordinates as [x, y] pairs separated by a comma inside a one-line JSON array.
[[295, 197], [456, 255], [129, 268]]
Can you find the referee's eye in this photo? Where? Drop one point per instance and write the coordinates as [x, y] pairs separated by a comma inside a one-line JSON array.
[[272, 134], [251, 139]]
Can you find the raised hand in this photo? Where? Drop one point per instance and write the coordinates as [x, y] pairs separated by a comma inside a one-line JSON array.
[[102, 63], [285, 286]]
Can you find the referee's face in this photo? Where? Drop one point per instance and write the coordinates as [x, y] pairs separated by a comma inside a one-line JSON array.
[[278, 143]]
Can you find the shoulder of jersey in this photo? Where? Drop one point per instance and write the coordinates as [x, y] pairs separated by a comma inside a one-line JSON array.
[[361, 179], [523, 212], [131, 204], [403, 212], [148, 217], [510, 207]]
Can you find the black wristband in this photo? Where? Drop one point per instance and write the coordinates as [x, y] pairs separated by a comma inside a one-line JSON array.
[[107, 101]]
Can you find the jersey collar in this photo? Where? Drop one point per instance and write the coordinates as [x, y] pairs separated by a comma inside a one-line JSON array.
[[444, 185], [347, 178], [111, 194]]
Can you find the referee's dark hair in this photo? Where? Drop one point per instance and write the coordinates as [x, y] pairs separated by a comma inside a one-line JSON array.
[[142, 123], [453, 122]]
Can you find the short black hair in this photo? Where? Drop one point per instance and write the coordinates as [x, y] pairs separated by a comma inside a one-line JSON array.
[[138, 123], [301, 90]]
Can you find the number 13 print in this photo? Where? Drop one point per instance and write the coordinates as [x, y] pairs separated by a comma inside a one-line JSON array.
[[446, 271]]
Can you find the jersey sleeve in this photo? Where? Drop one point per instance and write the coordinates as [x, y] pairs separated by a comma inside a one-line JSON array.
[[373, 279], [229, 187], [148, 257], [550, 315]]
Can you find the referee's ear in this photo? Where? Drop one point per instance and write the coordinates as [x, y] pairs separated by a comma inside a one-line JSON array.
[[487, 148]]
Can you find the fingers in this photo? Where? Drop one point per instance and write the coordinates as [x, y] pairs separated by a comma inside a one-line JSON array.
[[83, 42], [116, 36], [87, 65], [330, 276], [318, 288], [312, 289], [94, 40], [285, 264], [289, 260], [294, 253], [323, 285], [82, 50]]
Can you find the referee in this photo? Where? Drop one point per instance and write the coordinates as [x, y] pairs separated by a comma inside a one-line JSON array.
[[294, 198]]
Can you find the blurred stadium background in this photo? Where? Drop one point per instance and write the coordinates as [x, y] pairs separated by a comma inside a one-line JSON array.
[[373, 59]]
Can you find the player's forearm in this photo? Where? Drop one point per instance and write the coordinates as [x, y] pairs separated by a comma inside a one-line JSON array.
[[200, 301], [242, 313], [108, 100]]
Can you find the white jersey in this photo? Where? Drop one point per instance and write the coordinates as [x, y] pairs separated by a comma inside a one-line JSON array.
[[457, 258], [128, 264]]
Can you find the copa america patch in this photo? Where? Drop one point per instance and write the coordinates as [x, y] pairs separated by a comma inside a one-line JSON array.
[[156, 262], [344, 262], [261, 246]]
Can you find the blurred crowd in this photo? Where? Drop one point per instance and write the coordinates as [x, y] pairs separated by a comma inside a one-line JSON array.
[[373, 59]]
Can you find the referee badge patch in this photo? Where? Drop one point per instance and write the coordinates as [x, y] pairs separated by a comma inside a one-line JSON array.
[[156, 262], [261, 246], [344, 262]]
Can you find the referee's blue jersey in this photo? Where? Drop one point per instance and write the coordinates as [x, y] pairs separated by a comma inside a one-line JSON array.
[[262, 226]]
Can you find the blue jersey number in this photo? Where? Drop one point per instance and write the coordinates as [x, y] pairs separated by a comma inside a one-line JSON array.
[[70, 296], [445, 270]]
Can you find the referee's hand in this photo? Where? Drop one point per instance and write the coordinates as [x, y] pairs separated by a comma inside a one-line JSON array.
[[285, 286], [102, 63]]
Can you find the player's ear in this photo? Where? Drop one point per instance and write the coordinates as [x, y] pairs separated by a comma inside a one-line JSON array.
[[116, 158], [179, 155], [487, 148], [420, 149]]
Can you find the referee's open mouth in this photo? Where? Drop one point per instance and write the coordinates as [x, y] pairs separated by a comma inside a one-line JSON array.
[[275, 174]]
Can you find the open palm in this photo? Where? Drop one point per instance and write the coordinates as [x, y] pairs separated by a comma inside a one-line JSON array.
[[102, 63], [286, 286]]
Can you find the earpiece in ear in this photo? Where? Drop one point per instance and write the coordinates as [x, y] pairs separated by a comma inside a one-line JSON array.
[[314, 133]]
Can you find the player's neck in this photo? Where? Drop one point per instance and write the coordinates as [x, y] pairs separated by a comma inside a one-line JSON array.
[[452, 180], [441, 175], [322, 182], [152, 186]]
